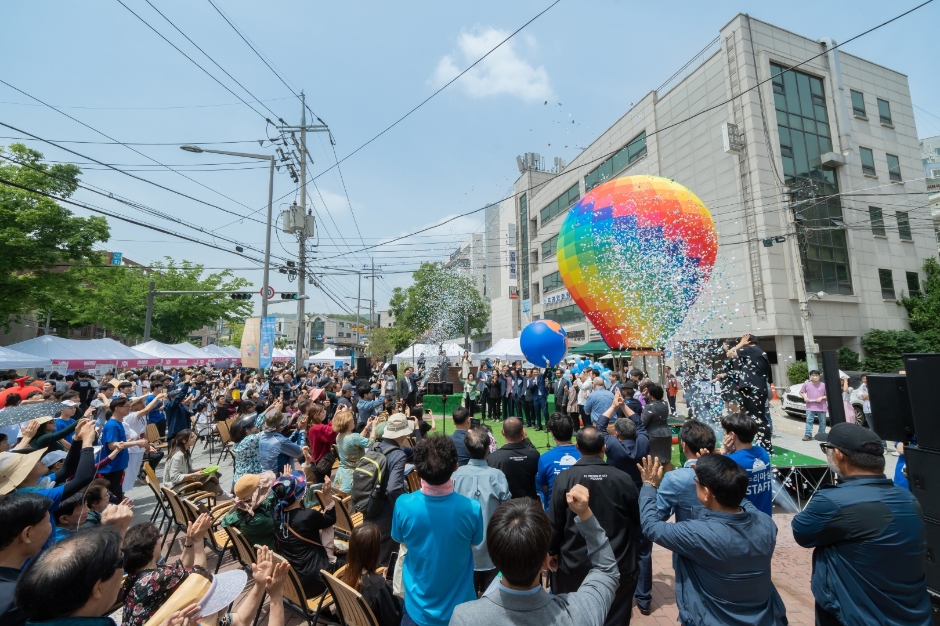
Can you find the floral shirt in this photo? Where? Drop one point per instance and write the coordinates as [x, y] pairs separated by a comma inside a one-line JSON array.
[[146, 591], [247, 458]]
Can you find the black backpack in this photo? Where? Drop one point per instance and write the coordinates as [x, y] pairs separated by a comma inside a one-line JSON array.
[[369, 481]]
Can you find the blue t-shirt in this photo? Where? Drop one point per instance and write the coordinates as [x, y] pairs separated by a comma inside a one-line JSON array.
[[463, 457], [113, 431], [157, 415], [61, 424], [438, 572], [597, 403], [55, 494], [551, 463], [760, 478]]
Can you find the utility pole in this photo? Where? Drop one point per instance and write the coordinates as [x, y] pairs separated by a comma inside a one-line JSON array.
[[358, 326], [372, 303], [800, 196]]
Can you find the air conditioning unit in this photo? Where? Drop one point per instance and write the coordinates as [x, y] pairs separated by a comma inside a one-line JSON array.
[[831, 160]]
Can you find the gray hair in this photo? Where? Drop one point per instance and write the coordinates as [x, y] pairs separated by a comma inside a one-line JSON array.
[[625, 428]]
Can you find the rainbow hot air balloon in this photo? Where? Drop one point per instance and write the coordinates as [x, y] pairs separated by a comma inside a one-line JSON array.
[[635, 253]]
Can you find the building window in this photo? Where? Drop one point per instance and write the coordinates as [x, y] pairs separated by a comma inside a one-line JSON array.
[[894, 168], [524, 244], [904, 225], [887, 284], [877, 221], [549, 248], [803, 129], [552, 282], [615, 164], [913, 283], [560, 204], [858, 103], [868, 161], [884, 111], [565, 315]]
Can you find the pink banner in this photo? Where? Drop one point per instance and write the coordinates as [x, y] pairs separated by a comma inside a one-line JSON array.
[[132, 363], [83, 364]]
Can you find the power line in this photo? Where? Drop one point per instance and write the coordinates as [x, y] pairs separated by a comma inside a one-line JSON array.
[[166, 108], [135, 143]]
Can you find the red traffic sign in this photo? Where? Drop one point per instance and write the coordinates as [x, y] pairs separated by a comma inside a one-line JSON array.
[[270, 292]]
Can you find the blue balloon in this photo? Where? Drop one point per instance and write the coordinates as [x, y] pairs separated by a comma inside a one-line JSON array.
[[544, 343]]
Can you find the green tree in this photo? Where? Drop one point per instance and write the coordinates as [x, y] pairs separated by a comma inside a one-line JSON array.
[[278, 343], [439, 302], [380, 344], [848, 359], [923, 309], [883, 349], [797, 372], [237, 331], [116, 297], [401, 337], [43, 246]]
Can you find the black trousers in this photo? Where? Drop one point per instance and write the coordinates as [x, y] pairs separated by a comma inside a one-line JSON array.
[[153, 458], [528, 408], [575, 421], [115, 485], [470, 404], [518, 407], [754, 401], [161, 427], [384, 523], [494, 405], [507, 406], [621, 609]]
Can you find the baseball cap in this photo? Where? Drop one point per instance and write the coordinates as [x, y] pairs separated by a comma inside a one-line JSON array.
[[852, 437], [69, 403], [14, 468], [53, 457], [397, 426]]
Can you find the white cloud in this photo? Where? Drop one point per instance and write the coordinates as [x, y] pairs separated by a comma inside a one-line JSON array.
[[503, 72]]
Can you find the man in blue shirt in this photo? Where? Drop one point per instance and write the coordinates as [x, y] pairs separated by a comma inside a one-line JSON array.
[[676, 495], [461, 417], [740, 430], [723, 556], [157, 416], [439, 528], [555, 460], [868, 537], [599, 400], [369, 407], [540, 399]]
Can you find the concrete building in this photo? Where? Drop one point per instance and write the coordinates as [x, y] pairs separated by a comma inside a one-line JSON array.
[[384, 319], [930, 157], [327, 332], [762, 127], [501, 284]]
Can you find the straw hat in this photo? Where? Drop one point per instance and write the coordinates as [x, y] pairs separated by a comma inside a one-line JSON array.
[[15, 467], [246, 486]]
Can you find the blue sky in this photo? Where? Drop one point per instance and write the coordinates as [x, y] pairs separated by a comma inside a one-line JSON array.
[[363, 65]]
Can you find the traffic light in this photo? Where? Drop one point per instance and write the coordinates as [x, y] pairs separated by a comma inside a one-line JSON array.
[[241, 296], [288, 296]]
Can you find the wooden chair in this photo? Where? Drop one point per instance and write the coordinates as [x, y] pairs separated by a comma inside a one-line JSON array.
[[346, 521], [297, 601], [245, 554], [192, 490], [351, 608], [412, 481], [153, 436], [225, 438], [217, 537]]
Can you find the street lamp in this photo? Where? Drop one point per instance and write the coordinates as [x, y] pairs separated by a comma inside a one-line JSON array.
[[267, 237]]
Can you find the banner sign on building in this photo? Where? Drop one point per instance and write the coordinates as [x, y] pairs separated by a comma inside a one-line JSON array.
[[251, 343], [513, 293], [512, 264], [267, 341], [558, 297]]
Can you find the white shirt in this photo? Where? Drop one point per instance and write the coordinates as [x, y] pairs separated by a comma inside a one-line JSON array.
[[866, 404], [583, 388]]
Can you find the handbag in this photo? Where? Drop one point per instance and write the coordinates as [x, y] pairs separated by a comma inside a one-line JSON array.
[[325, 464]]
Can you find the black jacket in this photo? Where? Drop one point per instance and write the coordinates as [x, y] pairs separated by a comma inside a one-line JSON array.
[[614, 501], [520, 463]]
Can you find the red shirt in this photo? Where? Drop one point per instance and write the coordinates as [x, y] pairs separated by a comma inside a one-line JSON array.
[[320, 437]]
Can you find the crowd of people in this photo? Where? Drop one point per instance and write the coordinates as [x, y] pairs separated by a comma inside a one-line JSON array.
[[454, 527]]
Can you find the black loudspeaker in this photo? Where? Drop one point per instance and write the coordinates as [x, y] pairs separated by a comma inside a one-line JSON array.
[[830, 366], [441, 389], [923, 372], [363, 368], [890, 407], [923, 474], [394, 368], [932, 562]]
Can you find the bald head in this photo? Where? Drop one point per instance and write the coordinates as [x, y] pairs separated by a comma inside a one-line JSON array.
[[598, 381], [513, 430]]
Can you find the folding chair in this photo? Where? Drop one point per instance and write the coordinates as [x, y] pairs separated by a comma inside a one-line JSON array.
[[217, 537], [297, 601], [412, 481], [245, 554], [154, 437], [346, 521], [351, 608], [225, 438]]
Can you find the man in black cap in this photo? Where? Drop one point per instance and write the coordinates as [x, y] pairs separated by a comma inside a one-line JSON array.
[[869, 538]]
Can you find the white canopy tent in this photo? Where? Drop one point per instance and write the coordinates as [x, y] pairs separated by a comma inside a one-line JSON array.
[[282, 355], [328, 355], [430, 352], [11, 360], [171, 355], [504, 350], [66, 354]]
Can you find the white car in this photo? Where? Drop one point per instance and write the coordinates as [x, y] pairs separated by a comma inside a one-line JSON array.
[[794, 405]]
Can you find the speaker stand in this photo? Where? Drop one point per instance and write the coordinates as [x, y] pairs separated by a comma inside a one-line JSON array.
[[444, 413]]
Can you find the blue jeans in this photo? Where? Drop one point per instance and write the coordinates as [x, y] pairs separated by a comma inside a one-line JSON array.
[[810, 416]]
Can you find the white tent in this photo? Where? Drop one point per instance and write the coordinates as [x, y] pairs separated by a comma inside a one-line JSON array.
[[123, 356], [504, 350], [11, 359], [216, 351], [69, 354], [171, 356], [430, 352], [282, 355]]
